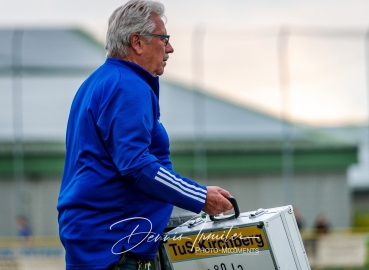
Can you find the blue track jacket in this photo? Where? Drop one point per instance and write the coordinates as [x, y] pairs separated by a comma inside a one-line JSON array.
[[118, 187]]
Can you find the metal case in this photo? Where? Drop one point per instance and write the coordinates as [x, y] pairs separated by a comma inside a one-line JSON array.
[[263, 239]]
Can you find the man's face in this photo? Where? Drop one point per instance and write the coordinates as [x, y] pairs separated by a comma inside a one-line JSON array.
[[156, 53]]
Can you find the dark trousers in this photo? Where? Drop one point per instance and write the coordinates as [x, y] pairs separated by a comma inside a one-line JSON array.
[[126, 262]]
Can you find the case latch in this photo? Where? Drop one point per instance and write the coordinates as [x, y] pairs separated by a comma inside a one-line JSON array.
[[258, 212], [193, 223]]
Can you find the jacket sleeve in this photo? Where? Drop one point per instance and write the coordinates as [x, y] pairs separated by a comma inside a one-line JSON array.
[[157, 182], [125, 123]]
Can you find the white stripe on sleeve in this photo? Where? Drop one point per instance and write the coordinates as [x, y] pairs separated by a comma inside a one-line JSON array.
[[182, 182], [178, 189], [164, 176]]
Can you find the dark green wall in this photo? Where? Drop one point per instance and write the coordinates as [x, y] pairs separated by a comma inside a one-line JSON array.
[[48, 159]]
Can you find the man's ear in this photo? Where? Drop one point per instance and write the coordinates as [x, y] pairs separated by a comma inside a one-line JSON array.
[[136, 43]]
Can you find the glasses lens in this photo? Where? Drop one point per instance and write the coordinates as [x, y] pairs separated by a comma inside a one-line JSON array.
[[164, 38]]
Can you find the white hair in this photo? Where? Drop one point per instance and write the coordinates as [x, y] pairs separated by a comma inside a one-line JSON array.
[[133, 17]]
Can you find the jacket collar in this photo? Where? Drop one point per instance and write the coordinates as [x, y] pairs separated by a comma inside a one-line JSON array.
[[152, 81]]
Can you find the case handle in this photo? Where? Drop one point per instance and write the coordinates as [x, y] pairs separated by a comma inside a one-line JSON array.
[[236, 211]]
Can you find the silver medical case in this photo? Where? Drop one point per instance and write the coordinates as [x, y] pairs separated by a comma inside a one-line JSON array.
[[262, 239]]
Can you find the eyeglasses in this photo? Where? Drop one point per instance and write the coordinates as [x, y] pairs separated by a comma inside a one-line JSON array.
[[164, 38]]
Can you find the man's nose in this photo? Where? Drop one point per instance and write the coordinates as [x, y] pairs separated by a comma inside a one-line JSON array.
[[169, 48]]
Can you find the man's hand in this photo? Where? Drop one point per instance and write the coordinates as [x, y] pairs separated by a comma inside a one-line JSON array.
[[216, 201]]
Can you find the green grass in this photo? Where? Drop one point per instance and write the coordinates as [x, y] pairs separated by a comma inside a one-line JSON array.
[[342, 268]]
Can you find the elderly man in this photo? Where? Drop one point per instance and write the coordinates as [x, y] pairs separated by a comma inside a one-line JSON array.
[[119, 186]]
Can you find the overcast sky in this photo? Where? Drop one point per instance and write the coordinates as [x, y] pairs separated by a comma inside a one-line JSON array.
[[327, 74]]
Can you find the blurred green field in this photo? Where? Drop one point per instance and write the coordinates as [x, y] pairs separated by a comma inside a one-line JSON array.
[[341, 268]]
